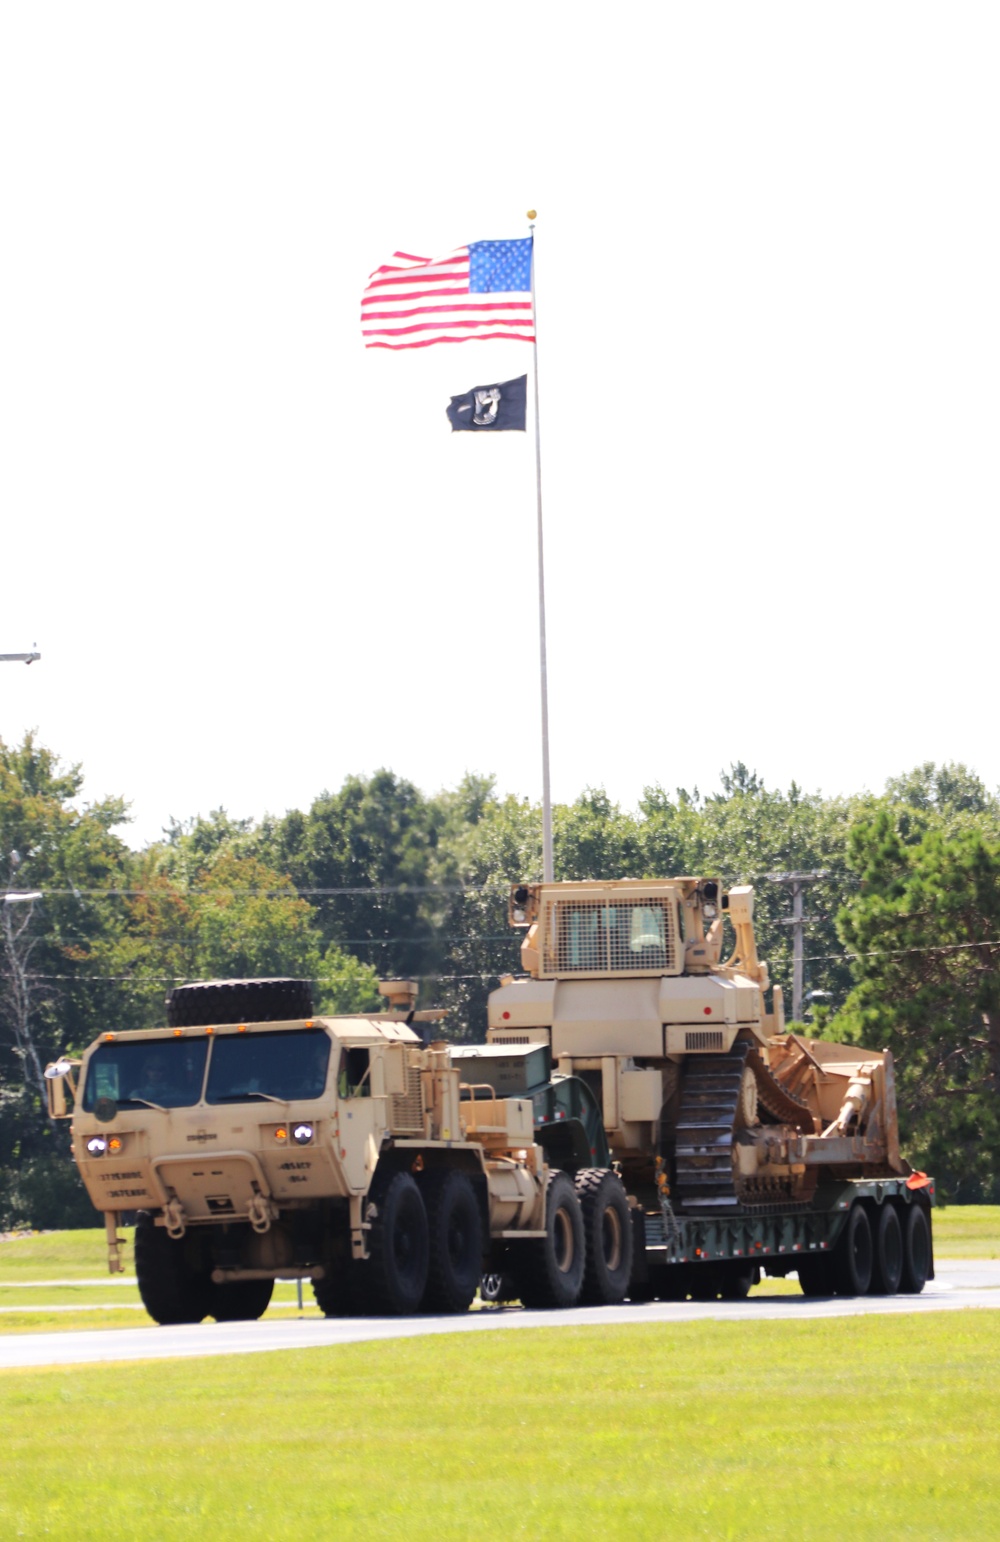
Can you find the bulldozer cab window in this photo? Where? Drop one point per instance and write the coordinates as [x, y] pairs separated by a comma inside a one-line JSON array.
[[134, 1073], [262, 1067], [354, 1080], [647, 943]]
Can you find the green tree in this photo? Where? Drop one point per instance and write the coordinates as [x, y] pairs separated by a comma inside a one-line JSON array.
[[924, 929]]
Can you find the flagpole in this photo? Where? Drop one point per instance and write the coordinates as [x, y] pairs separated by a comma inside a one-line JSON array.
[[548, 871]]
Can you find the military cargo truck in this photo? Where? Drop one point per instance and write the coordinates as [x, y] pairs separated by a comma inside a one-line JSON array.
[[257, 1141], [742, 1146]]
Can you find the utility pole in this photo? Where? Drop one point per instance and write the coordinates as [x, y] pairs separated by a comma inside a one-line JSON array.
[[798, 922]]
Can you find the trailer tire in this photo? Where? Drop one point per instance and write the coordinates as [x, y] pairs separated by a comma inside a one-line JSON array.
[[916, 1251], [394, 1278], [887, 1262], [238, 1001], [455, 1234], [607, 1236], [852, 1259], [242, 1301], [173, 1288], [816, 1275], [549, 1269]]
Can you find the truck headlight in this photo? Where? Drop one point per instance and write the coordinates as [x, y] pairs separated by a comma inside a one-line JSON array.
[[303, 1134], [97, 1145]]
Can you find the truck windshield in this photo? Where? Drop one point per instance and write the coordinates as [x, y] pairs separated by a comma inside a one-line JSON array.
[[167, 1073], [253, 1067]]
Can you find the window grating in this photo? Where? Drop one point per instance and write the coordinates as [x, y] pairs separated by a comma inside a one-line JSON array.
[[630, 936]]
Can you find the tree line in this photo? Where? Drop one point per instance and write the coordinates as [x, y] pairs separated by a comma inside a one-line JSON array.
[[379, 879]]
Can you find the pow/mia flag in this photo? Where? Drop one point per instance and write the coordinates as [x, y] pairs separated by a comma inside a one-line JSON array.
[[492, 407]]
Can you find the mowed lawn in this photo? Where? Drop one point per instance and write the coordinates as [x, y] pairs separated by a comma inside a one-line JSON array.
[[880, 1428]]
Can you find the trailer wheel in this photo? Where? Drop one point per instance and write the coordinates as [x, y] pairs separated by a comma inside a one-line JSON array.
[[852, 1259], [494, 1287], [172, 1284], [887, 1262], [455, 1231], [607, 1235], [816, 1275], [736, 1281], [916, 1251], [549, 1269], [395, 1276], [242, 1301]]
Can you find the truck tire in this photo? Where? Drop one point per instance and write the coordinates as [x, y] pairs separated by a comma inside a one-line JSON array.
[[887, 1260], [242, 1301], [607, 1236], [549, 1269], [852, 1258], [916, 1251], [173, 1286], [335, 1293], [816, 1275], [394, 1278], [455, 1234], [238, 1001]]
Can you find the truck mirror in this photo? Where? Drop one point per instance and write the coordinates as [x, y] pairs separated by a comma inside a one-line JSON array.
[[57, 1074]]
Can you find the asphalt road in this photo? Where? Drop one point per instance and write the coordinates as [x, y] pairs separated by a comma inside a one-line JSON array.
[[969, 1283]]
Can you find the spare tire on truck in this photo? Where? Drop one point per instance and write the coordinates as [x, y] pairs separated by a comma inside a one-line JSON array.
[[238, 1001]]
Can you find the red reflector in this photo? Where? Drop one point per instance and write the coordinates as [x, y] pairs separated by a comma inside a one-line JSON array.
[[708, 1011], [506, 1017]]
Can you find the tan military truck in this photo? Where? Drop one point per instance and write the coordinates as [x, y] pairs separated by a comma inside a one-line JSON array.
[[741, 1145], [257, 1141]]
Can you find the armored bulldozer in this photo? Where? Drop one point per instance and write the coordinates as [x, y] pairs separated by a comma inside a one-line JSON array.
[[257, 1141], [736, 1139]]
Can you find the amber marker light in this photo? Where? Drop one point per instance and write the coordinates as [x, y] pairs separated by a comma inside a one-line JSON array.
[[281, 1133], [115, 1145], [178, 1032], [242, 1028], [108, 1037]]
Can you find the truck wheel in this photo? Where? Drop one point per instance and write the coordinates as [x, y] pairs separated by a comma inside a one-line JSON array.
[[852, 1259], [173, 1286], [607, 1235], [887, 1262], [455, 1231], [238, 1001], [816, 1275], [242, 1301], [549, 1269], [335, 1293], [395, 1276], [916, 1251]]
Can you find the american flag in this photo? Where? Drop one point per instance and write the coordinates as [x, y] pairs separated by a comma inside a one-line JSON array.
[[480, 291]]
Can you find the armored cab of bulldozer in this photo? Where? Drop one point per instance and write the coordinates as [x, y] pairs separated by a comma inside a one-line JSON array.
[[708, 1102]]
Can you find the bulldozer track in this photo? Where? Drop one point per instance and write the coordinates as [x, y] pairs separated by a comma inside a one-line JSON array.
[[703, 1149]]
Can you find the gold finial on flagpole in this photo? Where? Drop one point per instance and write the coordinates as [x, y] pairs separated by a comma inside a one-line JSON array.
[[532, 214]]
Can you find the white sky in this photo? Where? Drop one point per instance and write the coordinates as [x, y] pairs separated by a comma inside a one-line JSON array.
[[253, 555]]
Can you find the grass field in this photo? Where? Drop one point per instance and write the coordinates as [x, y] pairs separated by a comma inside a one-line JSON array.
[[698, 1430]]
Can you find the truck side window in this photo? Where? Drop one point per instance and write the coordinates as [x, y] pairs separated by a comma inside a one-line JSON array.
[[353, 1080]]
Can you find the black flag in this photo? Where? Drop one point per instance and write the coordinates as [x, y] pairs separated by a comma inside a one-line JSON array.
[[491, 408]]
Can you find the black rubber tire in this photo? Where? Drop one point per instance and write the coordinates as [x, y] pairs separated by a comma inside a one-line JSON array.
[[917, 1255], [494, 1288], [174, 1285], [335, 1293], [242, 1301], [816, 1275], [887, 1260], [455, 1233], [549, 1269], [853, 1255], [238, 1001], [607, 1236], [735, 1281], [394, 1278]]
